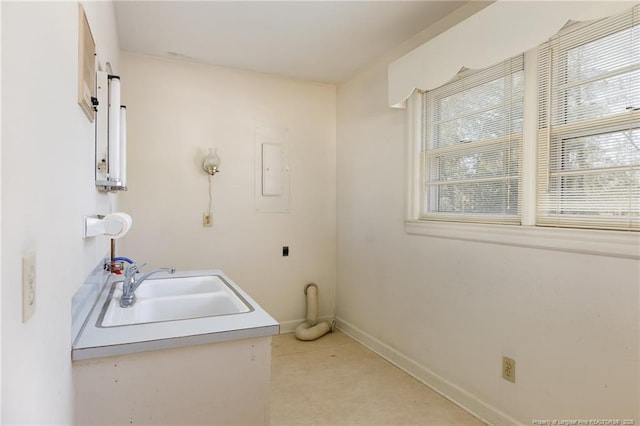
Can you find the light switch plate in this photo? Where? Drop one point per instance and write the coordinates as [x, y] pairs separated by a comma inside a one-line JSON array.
[[28, 285]]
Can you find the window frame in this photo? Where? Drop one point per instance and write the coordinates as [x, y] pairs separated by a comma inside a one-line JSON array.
[[471, 79], [620, 244], [559, 129]]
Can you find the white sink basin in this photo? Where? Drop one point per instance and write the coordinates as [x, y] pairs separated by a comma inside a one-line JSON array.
[[178, 286], [170, 299]]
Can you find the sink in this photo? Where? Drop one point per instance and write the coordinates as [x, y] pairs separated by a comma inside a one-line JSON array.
[[179, 286], [172, 308], [171, 299]]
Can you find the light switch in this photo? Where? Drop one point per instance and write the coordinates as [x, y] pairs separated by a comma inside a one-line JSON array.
[[28, 285]]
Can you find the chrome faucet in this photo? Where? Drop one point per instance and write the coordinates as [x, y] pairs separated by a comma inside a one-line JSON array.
[[131, 283]]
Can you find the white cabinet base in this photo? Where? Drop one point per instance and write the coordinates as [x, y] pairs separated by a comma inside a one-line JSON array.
[[215, 384]]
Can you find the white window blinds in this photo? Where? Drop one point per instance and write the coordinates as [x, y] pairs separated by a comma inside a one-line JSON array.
[[589, 126], [472, 146]]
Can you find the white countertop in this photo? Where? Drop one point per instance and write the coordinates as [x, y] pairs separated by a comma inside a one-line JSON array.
[[94, 341]]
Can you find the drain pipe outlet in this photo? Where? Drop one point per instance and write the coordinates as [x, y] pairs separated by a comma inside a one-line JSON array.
[[312, 329]]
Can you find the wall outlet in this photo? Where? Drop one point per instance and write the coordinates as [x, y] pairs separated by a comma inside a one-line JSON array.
[[28, 285], [207, 219], [509, 369]]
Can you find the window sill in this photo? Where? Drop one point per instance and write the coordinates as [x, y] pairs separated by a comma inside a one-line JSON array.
[[593, 242]]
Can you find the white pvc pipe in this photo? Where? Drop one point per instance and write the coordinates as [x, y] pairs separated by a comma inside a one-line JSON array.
[[312, 304], [311, 329], [306, 332]]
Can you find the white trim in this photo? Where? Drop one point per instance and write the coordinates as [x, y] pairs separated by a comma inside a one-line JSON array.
[[460, 397], [412, 156], [529, 139], [585, 241]]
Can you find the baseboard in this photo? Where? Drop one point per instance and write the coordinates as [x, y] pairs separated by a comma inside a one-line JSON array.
[[290, 326], [474, 406]]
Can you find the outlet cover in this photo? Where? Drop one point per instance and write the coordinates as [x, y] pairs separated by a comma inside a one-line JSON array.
[[509, 369], [207, 219]]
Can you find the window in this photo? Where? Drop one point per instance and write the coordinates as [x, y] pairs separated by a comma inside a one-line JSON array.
[[582, 158], [589, 126], [472, 147]]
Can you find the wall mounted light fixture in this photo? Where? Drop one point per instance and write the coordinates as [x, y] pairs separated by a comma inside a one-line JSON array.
[[211, 162], [111, 135], [211, 166]]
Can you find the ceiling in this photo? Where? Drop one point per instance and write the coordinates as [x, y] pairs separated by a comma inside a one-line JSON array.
[[325, 41]]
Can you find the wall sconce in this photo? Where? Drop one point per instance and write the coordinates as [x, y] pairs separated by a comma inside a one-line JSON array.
[[211, 166], [211, 162]]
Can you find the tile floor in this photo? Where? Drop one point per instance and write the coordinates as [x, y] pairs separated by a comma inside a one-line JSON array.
[[335, 381]]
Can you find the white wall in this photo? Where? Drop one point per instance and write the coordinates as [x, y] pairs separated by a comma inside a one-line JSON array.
[[47, 186], [175, 109], [448, 310], [0, 211]]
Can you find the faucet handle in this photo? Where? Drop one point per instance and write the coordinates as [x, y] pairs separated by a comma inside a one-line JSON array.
[[134, 267], [131, 269]]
